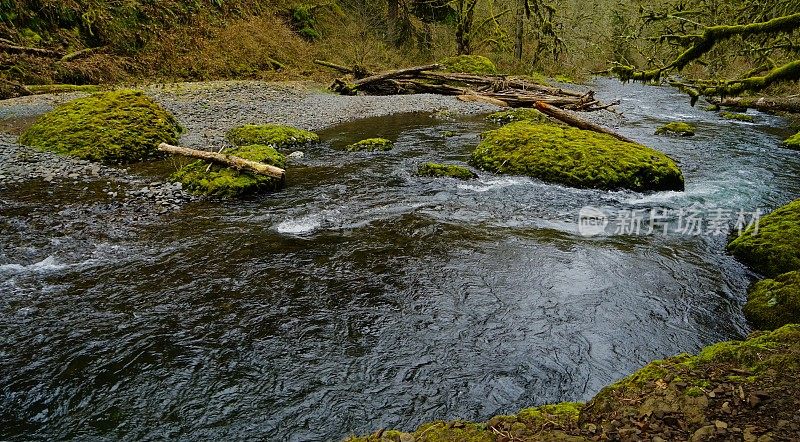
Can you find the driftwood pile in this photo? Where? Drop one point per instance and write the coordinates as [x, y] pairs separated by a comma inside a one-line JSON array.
[[501, 90]]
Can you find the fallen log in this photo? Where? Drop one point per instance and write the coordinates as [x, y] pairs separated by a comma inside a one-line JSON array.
[[391, 75], [82, 53], [14, 49], [767, 104], [575, 121], [357, 72], [231, 161], [12, 89]]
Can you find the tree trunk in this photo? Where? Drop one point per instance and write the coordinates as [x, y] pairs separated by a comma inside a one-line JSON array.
[[580, 123], [393, 20], [231, 161], [519, 34]]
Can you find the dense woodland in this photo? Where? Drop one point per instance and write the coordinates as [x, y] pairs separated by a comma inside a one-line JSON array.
[[98, 41]]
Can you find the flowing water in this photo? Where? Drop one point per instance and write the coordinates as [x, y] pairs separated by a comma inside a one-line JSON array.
[[363, 296]]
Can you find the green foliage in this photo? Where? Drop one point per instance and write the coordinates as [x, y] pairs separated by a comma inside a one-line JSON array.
[[120, 126], [203, 178], [793, 142], [371, 145], [775, 248], [304, 22], [773, 303], [445, 170], [514, 115], [575, 158], [469, 64], [275, 135], [678, 128], [737, 116]]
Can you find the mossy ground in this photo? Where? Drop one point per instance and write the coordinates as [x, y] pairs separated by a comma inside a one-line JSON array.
[[514, 115], [737, 116], [371, 145], [793, 142], [114, 127], [677, 128], [445, 170], [775, 248], [224, 182], [576, 158], [469, 64], [730, 391], [773, 303], [275, 135]]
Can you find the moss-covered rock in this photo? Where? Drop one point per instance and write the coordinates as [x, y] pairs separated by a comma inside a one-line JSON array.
[[514, 115], [224, 182], [445, 170], [371, 145], [737, 116], [114, 127], [773, 303], [576, 158], [469, 64], [275, 135], [775, 248], [677, 128], [793, 142]]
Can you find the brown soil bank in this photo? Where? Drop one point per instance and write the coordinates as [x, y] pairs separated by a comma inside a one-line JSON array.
[[743, 391]]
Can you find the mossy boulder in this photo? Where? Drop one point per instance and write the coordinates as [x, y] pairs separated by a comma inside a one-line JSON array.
[[224, 182], [737, 116], [371, 145], [676, 128], [121, 126], [275, 135], [469, 64], [773, 303], [775, 248], [576, 158], [514, 115], [436, 170], [793, 142]]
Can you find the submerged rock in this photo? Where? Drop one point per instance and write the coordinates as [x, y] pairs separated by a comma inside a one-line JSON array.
[[514, 115], [469, 64], [775, 248], [773, 303], [576, 158], [120, 126], [793, 142], [736, 116], [677, 128], [202, 178], [371, 145], [445, 170], [275, 135]]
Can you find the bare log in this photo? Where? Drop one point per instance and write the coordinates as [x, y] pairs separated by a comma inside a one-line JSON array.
[[575, 121], [14, 49], [335, 67], [231, 161], [477, 98], [767, 104], [393, 74]]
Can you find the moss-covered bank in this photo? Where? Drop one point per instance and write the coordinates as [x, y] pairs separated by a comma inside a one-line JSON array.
[[737, 116], [469, 64], [773, 303], [730, 391], [275, 135], [677, 128], [773, 249], [436, 170], [793, 142], [203, 178], [114, 127], [576, 158]]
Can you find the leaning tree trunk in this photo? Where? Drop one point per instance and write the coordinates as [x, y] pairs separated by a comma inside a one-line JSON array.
[[231, 161]]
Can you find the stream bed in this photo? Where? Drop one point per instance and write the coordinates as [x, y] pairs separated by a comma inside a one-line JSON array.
[[363, 296]]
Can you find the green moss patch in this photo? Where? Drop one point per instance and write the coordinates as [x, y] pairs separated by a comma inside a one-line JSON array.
[[275, 135], [371, 145], [114, 127], [793, 142], [514, 115], [677, 128], [576, 158], [737, 116], [224, 182], [773, 303], [775, 248], [445, 170], [469, 64]]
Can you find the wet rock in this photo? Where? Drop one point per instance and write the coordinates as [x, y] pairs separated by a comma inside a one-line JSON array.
[[704, 433]]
